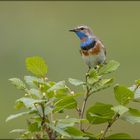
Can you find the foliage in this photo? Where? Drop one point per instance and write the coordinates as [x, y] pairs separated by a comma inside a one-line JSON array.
[[45, 101]]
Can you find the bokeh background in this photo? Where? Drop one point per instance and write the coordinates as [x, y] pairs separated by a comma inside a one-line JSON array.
[[41, 28]]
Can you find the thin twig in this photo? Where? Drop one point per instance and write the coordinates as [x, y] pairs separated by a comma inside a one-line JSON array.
[[43, 114], [116, 116], [37, 110], [37, 136], [88, 127], [83, 110], [137, 86], [44, 126], [78, 110], [84, 102]]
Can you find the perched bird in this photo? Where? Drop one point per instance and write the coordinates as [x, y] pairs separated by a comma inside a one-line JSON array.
[[91, 48]]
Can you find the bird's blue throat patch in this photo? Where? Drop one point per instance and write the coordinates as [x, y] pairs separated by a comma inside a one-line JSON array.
[[86, 43], [81, 34]]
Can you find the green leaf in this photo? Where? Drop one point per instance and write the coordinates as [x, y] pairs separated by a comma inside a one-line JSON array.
[[93, 76], [123, 95], [61, 93], [35, 93], [99, 113], [101, 84], [67, 102], [90, 136], [44, 87], [18, 131], [14, 116], [48, 110], [75, 133], [131, 119], [58, 86], [37, 66], [59, 130], [19, 105], [136, 91], [68, 132], [33, 127], [18, 83], [120, 109], [119, 136], [76, 82], [133, 116], [137, 81], [31, 81], [29, 102], [134, 112], [110, 67], [68, 122], [26, 135]]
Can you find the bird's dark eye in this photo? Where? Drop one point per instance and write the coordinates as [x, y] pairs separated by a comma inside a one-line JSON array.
[[82, 28]]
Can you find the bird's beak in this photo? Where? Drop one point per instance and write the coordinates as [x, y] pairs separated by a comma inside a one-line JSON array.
[[72, 30]]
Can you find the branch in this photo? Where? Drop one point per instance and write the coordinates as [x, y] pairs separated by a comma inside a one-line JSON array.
[[81, 112], [44, 126], [116, 116]]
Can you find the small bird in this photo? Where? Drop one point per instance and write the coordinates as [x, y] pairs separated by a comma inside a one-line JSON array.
[[91, 48]]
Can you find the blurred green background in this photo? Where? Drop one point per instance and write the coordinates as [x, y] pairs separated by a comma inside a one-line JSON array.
[[41, 28]]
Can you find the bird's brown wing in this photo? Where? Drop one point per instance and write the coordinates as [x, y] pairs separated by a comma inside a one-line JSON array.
[[103, 47]]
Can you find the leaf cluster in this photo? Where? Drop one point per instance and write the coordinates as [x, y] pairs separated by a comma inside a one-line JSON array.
[[47, 104]]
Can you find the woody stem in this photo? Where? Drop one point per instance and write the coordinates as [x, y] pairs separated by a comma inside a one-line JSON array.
[[116, 116], [84, 102]]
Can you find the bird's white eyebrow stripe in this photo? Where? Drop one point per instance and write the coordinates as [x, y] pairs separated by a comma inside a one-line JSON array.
[[82, 26]]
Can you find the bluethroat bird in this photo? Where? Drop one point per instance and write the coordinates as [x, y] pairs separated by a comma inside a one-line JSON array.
[[91, 48]]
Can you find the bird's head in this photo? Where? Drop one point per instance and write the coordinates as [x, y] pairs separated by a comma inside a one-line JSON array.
[[83, 32]]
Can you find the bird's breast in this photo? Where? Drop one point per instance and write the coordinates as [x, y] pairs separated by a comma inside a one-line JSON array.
[[95, 55], [93, 49]]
